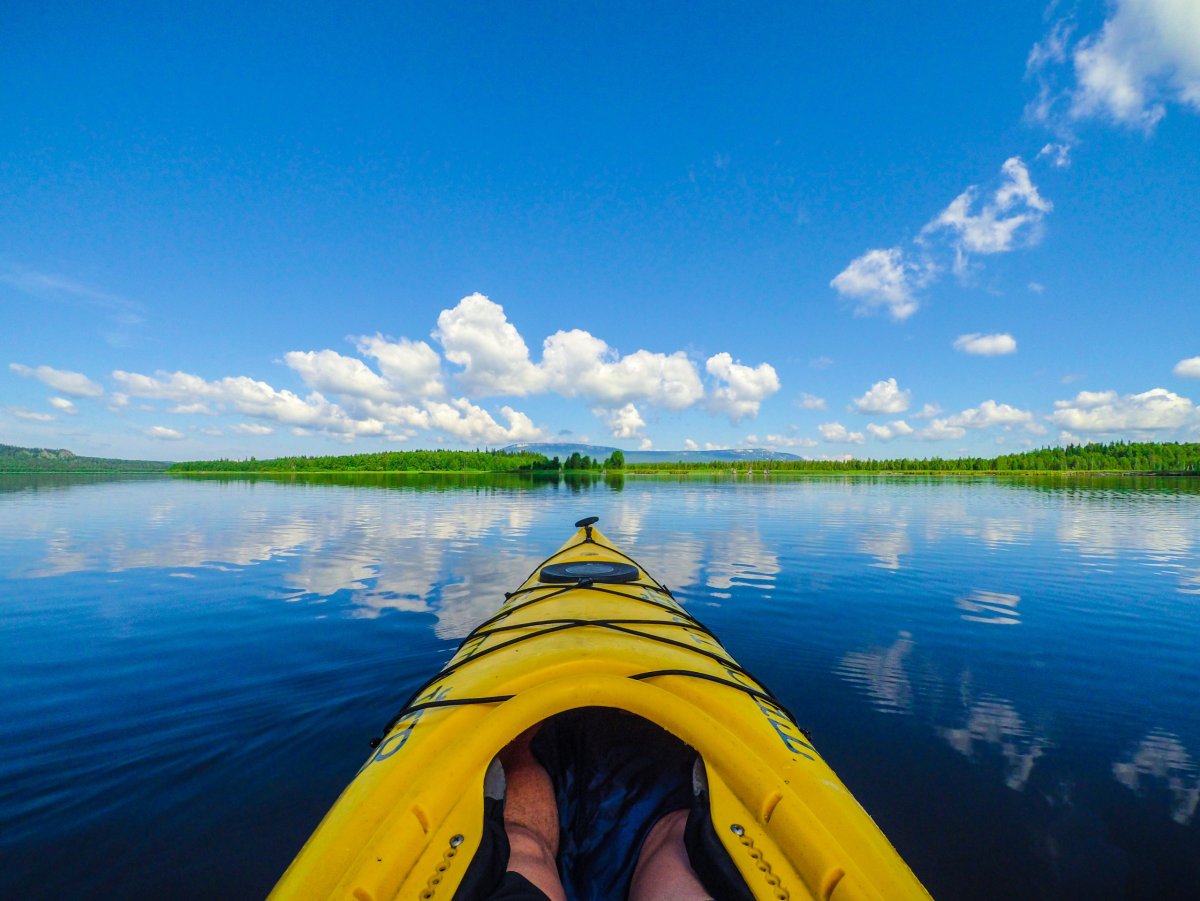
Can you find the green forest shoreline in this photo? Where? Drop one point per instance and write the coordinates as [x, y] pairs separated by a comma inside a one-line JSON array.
[[1144, 458], [1118, 458]]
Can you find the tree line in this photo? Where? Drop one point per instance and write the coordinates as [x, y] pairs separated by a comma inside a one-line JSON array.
[[411, 461], [1151, 457], [40, 459], [388, 461], [1155, 457]]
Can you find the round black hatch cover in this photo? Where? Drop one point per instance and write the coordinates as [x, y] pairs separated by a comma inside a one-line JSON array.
[[594, 570]]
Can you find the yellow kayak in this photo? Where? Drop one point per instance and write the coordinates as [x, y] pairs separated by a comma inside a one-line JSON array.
[[601, 654]]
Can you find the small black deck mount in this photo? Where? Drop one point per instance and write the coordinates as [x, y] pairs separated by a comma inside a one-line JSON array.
[[586, 523], [588, 572]]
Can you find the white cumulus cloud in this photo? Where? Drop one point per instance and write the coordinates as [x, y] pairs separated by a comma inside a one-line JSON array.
[[929, 411], [61, 403], [575, 363], [1189, 368], [470, 423], [494, 359], [1144, 57], [250, 397], [1155, 410], [396, 388], [477, 336], [835, 431], [75, 384], [744, 387], [890, 430], [986, 345], [941, 430], [884, 397], [412, 368], [625, 422], [1146, 54], [332, 372], [881, 279], [989, 413]]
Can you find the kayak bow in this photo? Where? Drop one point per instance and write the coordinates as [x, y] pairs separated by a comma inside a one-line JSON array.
[[590, 628]]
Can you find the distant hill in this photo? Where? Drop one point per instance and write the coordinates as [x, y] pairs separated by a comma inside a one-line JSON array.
[[44, 459], [743, 455]]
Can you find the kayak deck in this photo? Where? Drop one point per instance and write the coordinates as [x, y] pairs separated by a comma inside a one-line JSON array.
[[590, 628]]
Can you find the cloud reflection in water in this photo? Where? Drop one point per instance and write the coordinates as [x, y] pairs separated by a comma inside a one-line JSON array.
[[1160, 758]]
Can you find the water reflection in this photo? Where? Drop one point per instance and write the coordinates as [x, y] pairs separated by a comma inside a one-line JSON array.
[[385, 551], [995, 723], [881, 673], [886, 547], [678, 559], [742, 559], [1189, 580], [997, 532], [1160, 759], [995, 607], [1157, 532], [987, 722]]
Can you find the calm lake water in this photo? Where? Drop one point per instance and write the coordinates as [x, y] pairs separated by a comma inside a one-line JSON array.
[[1003, 671]]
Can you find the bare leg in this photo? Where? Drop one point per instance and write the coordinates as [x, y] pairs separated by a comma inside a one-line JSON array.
[[531, 817], [663, 872]]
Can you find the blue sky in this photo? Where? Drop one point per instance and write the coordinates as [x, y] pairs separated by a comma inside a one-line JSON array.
[[876, 230]]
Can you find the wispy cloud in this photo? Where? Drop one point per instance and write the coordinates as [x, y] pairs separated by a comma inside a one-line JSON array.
[[162, 433], [30, 415], [986, 345], [251, 428], [1008, 218], [75, 384], [974, 223], [778, 441], [123, 315]]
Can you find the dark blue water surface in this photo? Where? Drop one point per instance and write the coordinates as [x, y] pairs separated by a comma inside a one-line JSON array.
[[1003, 671]]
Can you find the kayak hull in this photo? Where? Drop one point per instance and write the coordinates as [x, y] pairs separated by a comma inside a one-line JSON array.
[[410, 822]]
